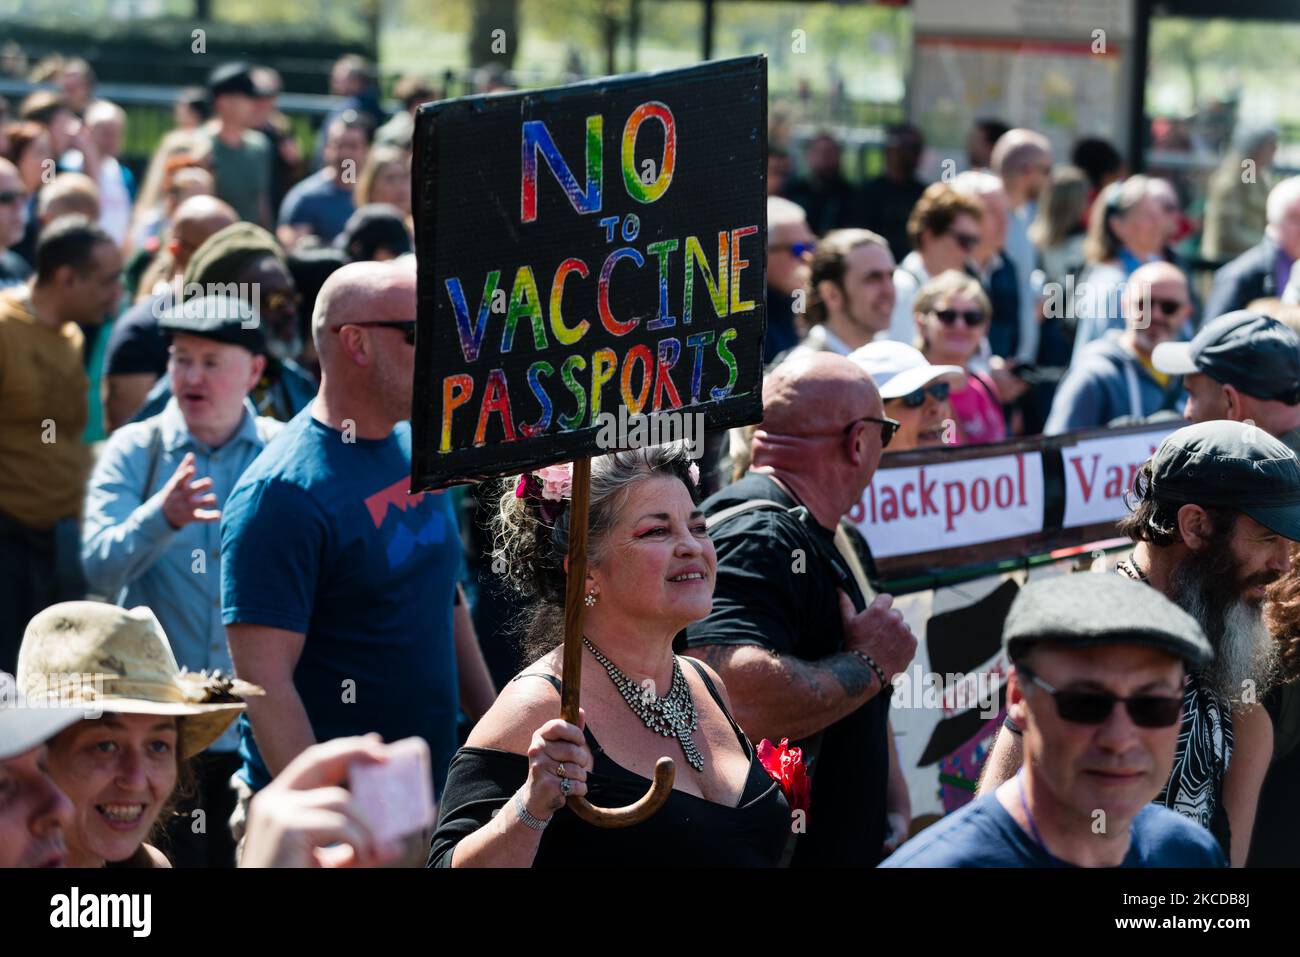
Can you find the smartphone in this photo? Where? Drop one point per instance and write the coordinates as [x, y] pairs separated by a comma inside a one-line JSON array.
[[396, 798]]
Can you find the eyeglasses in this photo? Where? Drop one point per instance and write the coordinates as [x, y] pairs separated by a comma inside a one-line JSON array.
[[1094, 707], [916, 399], [278, 301], [407, 326], [12, 197], [1168, 307], [972, 317], [888, 427], [798, 250], [967, 241]]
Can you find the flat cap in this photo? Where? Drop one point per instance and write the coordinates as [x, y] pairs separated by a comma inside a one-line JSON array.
[[226, 319], [1089, 609], [1230, 465], [1247, 350]]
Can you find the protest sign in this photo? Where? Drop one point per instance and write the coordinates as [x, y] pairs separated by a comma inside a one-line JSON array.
[[932, 511], [587, 252]]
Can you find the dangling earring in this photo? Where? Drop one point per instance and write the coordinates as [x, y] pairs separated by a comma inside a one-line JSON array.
[[591, 598]]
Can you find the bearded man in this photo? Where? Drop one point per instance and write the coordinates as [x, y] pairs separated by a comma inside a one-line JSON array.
[[1214, 514]]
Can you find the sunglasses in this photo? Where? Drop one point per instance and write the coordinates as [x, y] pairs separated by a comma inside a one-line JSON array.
[[916, 399], [888, 427], [1168, 307], [407, 327], [967, 241], [12, 197], [1094, 707], [797, 250], [279, 301], [972, 317]]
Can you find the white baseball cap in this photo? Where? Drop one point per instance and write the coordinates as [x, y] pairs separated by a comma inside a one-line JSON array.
[[25, 725], [898, 369]]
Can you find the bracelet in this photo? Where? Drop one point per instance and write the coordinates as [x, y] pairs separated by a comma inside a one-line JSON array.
[[871, 662], [536, 824]]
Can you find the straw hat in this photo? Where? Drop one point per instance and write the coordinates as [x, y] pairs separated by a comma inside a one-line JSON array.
[[100, 656]]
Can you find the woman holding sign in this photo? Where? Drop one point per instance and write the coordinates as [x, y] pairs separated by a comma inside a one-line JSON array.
[[651, 572]]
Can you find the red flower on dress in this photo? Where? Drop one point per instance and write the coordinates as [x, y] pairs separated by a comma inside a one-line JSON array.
[[785, 765]]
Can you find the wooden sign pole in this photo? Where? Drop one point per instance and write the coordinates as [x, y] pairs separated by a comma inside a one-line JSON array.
[[574, 606]]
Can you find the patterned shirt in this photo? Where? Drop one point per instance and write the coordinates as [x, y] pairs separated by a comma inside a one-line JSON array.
[[1195, 785]]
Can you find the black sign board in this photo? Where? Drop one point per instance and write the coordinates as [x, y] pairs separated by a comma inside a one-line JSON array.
[[585, 253]]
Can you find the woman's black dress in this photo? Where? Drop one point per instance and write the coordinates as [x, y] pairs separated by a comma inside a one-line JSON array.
[[687, 831]]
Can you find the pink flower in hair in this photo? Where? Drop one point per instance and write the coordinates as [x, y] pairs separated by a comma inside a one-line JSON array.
[[694, 472], [557, 481]]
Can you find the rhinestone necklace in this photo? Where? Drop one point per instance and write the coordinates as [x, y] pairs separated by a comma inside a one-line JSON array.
[[672, 716]]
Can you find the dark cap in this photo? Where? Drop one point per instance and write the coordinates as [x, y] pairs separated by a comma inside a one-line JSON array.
[[371, 228], [1087, 609], [1230, 465], [221, 318], [1247, 350], [232, 78]]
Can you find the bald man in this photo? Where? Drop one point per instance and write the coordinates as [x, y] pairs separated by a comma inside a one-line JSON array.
[[1022, 159], [806, 649], [137, 352], [339, 590], [106, 123], [1113, 377]]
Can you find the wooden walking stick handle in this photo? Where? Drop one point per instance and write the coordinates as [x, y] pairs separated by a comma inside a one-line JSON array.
[[574, 606]]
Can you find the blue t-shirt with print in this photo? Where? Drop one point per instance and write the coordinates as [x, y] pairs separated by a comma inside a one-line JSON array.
[[320, 203], [983, 834], [320, 537]]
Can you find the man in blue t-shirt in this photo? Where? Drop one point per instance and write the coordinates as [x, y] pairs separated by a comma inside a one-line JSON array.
[[1096, 685], [321, 204], [338, 589]]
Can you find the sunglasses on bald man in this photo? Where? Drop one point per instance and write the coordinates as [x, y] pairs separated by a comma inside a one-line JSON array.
[[406, 326]]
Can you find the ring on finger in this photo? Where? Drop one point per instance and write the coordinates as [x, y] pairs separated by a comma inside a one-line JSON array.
[[560, 771], [566, 786]]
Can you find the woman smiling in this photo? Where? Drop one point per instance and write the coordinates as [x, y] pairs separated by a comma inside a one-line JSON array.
[[652, 571], [123, 765]]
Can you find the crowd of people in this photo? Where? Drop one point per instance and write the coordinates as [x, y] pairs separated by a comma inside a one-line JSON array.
[[206, 533]]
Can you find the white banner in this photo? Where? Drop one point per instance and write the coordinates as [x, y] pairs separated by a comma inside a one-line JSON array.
[[926, 508], [1099, 471]]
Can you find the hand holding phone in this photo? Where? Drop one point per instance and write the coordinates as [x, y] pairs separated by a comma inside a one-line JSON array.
[[395, 797]]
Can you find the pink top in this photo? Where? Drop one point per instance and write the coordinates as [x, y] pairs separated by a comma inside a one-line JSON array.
[[978, 412]]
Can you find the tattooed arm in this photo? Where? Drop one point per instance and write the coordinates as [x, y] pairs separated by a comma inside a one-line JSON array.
[[780, 696], [760, 611]]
